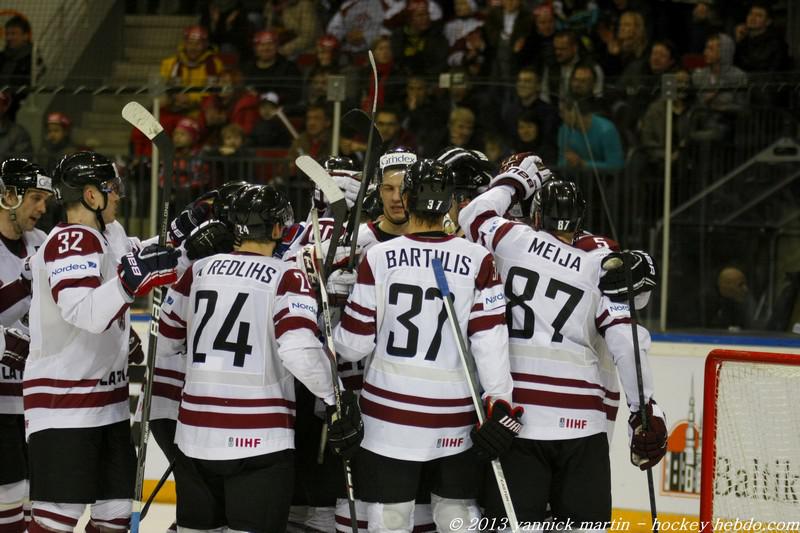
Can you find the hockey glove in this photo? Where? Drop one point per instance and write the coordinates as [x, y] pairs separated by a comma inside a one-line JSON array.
[[135, 352], [346, 431], [209, 238], [648, 447], [525, 172], [495, 436], [643, 275], [340, 284], [187, 221], [16, 351], [151, 267], [350, 183]]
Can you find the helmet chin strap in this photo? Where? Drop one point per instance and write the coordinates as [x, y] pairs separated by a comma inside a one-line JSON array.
[[98, 213]]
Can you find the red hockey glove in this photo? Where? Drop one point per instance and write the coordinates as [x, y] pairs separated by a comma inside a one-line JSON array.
[[346, 431], [135, 352], [495, 437], [16, 352], [648, 447], [151, 267]]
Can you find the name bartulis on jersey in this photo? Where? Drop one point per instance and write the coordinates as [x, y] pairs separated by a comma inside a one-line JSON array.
[[551, 252], [421, 258], [243, 269]]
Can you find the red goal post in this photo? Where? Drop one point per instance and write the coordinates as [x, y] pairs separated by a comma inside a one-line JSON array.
[[751, 440]]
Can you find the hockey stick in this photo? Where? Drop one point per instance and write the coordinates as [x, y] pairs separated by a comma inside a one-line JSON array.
[[141, 119], [613, 263], [157, 488], [336, 201], [331, 352], [369, 167], [468, 366]]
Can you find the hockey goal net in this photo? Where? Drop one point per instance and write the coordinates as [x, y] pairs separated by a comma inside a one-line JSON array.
[[751, 442]]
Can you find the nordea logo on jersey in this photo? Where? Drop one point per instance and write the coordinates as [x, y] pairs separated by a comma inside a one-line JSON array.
[[302, 306], [74, 267]]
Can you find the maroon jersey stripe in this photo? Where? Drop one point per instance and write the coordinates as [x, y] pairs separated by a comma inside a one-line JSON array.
[[482, 323], [167, 390], [174, 374], [295, 322], [92, 283], [563, 382], [563, 401], [235, 420], [417, 418], [12, 293], [419, 400], [239, 402], [75, 401]]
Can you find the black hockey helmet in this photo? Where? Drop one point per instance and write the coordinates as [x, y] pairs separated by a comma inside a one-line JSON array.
[[225, 196], [77, 170], [339, 162], [472, 171], [429, 185], [396, 158], [18, 176], [372, 207], [255, 210], [558, 206]]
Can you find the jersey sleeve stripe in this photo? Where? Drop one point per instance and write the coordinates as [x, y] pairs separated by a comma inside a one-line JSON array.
[[165, 390], [91, 283], [563, 400], [175, 318], [417, 418], [56, 517], [474, 228], [295, 322], [60, 383], [501, 232], [483, 323], [365, 275], [617, 321], [238, 402], [487, 274], [171, 331], [235, 420], [360, 309], [184, 285], [119, 314], [174, 374], [87, 245], [354, 325], [12, 293], [563, 382], [73, 401], [419, 400]]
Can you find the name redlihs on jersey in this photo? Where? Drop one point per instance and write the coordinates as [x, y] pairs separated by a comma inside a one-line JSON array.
[[242, 269], [555, 254], [422, 257]]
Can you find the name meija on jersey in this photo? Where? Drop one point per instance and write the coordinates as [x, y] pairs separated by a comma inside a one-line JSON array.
[[115, 377], [421, 258], [75, 266], [244, 442], [551, 252], [449, 442], [241, 269]]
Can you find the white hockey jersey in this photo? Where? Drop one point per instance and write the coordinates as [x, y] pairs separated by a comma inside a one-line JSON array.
[[76, 373], [565, 337], [415, 401], [15, 303], [249, 325]]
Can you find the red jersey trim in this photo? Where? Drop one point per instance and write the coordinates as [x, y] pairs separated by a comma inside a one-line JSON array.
[[173, 374], [235, 420], [12, 293], [562, 400], [295, 322], [10, 389], [167, 390], [88, 244], [171, 331], [418, 400], [483, 323], [417, 418], [563, 382], [360, 309], [92, 283], [47, 400], [238, 402], [356, 326]]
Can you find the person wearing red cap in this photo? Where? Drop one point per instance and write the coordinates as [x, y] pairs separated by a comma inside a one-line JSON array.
[[57, 141], [15, 141], [195, 64], [191, 176], [270, 71]]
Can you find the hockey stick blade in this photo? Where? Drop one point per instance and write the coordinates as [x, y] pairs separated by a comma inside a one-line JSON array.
[[141, 119]]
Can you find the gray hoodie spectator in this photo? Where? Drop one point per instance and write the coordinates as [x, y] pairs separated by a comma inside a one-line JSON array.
[[721, 86]]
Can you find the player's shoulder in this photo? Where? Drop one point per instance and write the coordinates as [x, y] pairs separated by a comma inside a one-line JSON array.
[[67, 240], [34, 237], [589, 242]]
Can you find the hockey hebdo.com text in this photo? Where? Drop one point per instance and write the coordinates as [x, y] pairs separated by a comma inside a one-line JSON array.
[[684, 524]]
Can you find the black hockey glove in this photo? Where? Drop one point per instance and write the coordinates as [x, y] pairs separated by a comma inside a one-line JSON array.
[[648, 447], [495, 437], [16, 352], [187, 221], [151, 267], [346, 431], [209, 238], [643, 274], [135, 352]]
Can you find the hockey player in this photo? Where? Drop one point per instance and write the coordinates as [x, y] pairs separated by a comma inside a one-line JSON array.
[[22, 203], [76, 385], [566, 339], [235, 438], [472, 171], [416, 404]]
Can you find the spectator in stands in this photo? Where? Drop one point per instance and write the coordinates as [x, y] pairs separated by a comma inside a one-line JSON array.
[[389, 88], [240, 105], [16, 61], [626, 51], [526, 98], [191, 175], [555, 80], [506, 29], [231, 160], [300, 26], [496, 150], [14, 139], [704, 22], [456, 29], [538, 51], [721, 87], [759, 47], [654, 121], [315, 90], [316, 139], [394, 13], [327, 52], [460, 92], [211, 120], [228, 28], [587, 140], [57, 141], [194, 65], [270, 71], [419, 46], [528, 137], [731, 306], [582, 82], [387, 120], [269, 131], [419, 113], [579, 16], [460, 132], [356, 24]]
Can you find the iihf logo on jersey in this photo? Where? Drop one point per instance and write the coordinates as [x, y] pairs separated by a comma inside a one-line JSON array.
[[244, 442], [449, 442], [572, 423]]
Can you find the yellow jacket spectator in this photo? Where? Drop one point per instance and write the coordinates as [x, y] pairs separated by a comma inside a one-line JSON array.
[[195, 64]]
